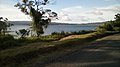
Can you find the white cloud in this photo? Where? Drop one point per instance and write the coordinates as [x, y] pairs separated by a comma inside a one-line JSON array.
[[72, 8], [107, 0], [113, 9], [81, 14], [12, 13], [112, 0], [72, 14]]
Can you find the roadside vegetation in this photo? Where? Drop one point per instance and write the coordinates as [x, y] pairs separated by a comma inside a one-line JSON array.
[[113, 25], [8, 41]]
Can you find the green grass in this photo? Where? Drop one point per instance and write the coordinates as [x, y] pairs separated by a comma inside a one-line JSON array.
[[7, 41]]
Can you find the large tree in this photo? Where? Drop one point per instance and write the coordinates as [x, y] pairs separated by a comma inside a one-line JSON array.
[[40, 17]]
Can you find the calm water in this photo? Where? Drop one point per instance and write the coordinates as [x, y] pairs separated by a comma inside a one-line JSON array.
[[56, 28], [67, 28]]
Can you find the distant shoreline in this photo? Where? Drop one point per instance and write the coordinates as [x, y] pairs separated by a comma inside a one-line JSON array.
[[54, 23]]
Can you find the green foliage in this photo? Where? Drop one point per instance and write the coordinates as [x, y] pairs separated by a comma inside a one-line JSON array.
[[9, 44], [6, 37], [39, 21], [117, 23], [72, 33], [110, 25], [117, 28], [25, 1], [117, 17], [7, 41], [3, 25], [58, 35]]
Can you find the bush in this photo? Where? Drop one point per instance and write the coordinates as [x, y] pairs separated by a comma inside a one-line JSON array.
[[117, 29], [7, 41], [72, 33], [100, 29], [54, 33], [8, 44], [6, 38]]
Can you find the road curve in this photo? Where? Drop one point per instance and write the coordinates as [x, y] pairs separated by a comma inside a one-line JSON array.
[[103, 53]]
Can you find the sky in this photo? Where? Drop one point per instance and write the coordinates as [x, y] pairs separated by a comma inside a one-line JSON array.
[[69, 11]]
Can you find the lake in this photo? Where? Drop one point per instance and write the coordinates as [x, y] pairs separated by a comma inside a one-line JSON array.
[[57, 28]]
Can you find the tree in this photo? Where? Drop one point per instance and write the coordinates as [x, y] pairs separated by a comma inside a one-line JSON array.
[[37, 13], [3, 25], [117, 20], [110, 25], [117, 17]]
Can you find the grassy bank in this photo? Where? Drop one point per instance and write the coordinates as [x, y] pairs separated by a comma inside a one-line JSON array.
[[18, 55], [8, 41]]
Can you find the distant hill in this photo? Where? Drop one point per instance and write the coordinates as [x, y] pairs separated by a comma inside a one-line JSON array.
[[53, 23], [20, 22]]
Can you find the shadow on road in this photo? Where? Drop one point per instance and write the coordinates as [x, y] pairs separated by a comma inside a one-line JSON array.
[[105, 53]]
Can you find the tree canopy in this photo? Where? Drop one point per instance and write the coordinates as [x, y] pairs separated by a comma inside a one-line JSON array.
[[34, 9]]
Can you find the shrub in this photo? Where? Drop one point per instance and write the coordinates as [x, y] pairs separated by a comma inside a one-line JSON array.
[[7, 41], [8, 44], [5, 38], [54, 33], [117, 29]]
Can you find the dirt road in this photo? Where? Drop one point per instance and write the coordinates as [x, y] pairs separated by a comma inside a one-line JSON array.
[[103, 53]]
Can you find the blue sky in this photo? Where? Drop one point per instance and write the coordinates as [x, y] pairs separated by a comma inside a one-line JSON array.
[[72, 11]]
